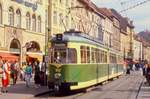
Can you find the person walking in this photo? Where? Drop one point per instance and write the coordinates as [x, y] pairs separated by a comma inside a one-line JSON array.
[[28, 74], [37, 78], [5, 76], [125, 66], [147, 73], [1, 70], [13, 73]]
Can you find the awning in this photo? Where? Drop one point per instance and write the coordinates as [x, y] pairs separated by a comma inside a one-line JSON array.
[[9, 56], [39, 56]]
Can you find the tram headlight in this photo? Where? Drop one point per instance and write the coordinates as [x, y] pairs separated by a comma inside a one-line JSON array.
[[57, 75]]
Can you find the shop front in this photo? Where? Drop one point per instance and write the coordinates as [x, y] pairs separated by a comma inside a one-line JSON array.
[[33, 52], [9, 56]]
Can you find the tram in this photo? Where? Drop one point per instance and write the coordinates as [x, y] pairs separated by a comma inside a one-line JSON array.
[[78, 61]]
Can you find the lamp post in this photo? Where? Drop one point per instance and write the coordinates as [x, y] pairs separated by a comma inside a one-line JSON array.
[[46, 58]]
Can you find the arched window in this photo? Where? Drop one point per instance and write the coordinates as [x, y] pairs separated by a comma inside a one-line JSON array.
[[1, 14], [11, 16], [28, 21], [60, 19], [33, 22], [67, 22], [39, 24], [55, 17], [18, 18]]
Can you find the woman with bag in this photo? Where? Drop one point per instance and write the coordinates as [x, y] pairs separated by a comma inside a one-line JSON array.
[[5, 76]]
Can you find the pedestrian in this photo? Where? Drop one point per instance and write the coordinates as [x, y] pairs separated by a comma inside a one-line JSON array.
[[141, 66], [42, 73], [28, 74], [37, 78], [5, 76], [125, 66], [13, 73], [1, 70], [17, 67], [147, 73], [128, 68], [23, 70]]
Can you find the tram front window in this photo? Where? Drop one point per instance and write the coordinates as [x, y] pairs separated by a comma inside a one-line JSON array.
[[60, 56]]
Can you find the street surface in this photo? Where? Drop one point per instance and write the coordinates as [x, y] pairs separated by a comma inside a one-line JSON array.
[[126, 87]]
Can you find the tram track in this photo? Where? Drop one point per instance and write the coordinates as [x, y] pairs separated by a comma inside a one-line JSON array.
[[97, 87], [129, 86]]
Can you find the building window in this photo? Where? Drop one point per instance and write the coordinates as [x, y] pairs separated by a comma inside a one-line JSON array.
[[55, 18], [66, 3], [72, 3], [46, 18], [67, 20], [100, 33], [33, 22], [39, 1], [60, 19], [1, 14], [39, 24], [11, 16], [18, 18], [60, 1], [28, 21]]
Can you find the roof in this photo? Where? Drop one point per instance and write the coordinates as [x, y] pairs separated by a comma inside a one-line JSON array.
[[106, 12], [145, 35], [92, 6], [123, 21]]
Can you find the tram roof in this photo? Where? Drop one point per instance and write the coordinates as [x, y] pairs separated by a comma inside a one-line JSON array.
[[82, 38]]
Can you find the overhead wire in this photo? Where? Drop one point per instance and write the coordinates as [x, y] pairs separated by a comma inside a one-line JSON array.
[[134, 6]]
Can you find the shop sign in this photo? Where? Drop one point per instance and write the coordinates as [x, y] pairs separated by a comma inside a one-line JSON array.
[[28, 3], [46, 59]]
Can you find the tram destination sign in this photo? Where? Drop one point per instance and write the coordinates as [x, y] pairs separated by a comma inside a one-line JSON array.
[[28, 3], [59, 45]]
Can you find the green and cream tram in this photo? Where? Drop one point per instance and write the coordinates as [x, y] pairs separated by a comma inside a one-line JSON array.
[[77, 61]]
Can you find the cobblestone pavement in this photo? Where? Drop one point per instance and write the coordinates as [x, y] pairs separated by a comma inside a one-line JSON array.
[[20, 91], [126, 87]]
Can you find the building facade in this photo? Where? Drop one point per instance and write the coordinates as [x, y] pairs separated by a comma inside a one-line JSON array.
[[137, 48], [22, 26], [80, 15]]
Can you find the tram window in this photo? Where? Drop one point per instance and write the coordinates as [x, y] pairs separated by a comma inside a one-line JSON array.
[[113, 58], [60, 56], [93, 56], [88, 55], [93, 53], [72, 55], [98, 56], [102, 57], [85, 54], [105, 57]]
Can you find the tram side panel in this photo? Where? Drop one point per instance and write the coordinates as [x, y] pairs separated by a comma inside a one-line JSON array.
[[102, 72]]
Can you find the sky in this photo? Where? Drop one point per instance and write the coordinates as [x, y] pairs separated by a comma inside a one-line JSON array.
[[140, 14]]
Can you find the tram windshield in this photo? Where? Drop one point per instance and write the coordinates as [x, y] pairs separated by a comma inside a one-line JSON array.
[[63, 56], [60, 56]]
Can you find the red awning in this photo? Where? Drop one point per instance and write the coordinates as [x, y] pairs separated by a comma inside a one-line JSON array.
[[9, 56]]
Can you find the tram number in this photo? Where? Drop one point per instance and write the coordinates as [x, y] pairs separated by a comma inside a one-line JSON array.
[[58, 46]]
